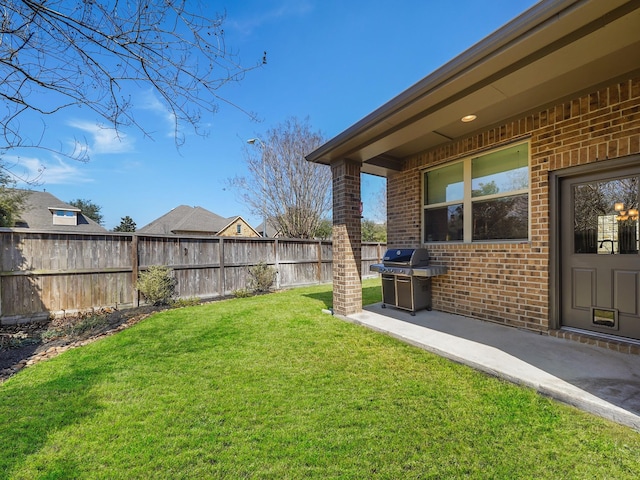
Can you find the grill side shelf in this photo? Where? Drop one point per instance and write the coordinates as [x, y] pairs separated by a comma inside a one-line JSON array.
[[430, 271]]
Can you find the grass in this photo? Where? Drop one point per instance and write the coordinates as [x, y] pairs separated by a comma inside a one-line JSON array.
[[270, 387]]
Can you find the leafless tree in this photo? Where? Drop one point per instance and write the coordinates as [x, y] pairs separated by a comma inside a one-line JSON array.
[[293, 194], [599, 198], [381, 202], [57, 54]]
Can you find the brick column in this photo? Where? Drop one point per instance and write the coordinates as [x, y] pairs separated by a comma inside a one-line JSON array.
[[347, 251]]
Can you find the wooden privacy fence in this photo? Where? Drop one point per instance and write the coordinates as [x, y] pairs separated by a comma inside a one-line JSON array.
[[43, 273]]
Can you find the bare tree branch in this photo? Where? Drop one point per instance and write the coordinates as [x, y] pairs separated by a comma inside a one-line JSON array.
[[58, 54], [293, 194]]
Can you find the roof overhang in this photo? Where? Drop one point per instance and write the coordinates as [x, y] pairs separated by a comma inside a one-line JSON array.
[[64, 209], [553, 51]]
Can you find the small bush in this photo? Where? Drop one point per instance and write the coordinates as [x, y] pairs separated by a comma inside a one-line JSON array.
[[242, 293], [186, 302], [16, 340], [262, 277], [72, 327], [157, 285]]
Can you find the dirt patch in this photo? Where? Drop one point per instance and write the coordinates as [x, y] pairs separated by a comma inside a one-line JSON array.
[[26, 344]]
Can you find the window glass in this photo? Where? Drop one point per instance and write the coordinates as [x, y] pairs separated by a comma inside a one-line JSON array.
[[605, 217], [444, 184], [492, 190], [500, 172], [504, 218], [443, 224]]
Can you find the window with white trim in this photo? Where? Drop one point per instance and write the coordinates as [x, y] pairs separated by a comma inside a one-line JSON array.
[[64, 213], [481, 198]]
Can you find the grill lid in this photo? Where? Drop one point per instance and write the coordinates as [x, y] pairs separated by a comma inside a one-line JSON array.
[[409, 257]]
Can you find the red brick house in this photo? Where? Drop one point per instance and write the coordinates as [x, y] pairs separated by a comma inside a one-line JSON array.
[[517, 165]]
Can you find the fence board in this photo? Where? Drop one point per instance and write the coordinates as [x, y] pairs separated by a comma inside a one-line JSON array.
[[43, 273]]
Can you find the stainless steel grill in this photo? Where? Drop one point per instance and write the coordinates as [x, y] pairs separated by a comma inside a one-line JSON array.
[[406, 278]]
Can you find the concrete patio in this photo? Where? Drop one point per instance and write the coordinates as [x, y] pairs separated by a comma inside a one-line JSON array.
[[600, 381]]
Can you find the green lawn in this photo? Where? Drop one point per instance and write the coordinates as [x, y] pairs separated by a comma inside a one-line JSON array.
[[271, 387]]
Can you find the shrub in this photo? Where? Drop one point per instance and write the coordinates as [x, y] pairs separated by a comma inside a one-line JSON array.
[[186, 302], [262, 277], [157, 285], [73, 327], [241, 293]]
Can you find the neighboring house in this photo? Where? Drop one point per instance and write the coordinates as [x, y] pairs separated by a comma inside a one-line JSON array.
[[185, 220], [272, 232], [44, 212], [517, 165]]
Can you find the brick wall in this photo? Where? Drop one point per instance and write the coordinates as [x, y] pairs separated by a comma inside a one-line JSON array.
[[509, 282], [347, 281]]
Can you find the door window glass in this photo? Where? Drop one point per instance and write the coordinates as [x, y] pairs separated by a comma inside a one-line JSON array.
[[605, 217]]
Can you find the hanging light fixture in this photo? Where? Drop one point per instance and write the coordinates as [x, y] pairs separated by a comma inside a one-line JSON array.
[[631, 214]]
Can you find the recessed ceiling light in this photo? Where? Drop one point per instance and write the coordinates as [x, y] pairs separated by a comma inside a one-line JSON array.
[[468, 118]]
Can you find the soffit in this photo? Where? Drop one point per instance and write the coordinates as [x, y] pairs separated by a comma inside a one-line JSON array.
[[553, 51]]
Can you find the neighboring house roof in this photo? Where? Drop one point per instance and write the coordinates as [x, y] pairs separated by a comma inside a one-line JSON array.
[[40, 208], [272, 232], [189, 220], [552, 51]]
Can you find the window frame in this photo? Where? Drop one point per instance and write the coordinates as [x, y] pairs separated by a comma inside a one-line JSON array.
[[468, 199], [64, 213]]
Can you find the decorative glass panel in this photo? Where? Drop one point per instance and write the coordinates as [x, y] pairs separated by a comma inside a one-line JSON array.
[[501, 218], [444, 184], [443, 224], [500, 172], [605, 217]]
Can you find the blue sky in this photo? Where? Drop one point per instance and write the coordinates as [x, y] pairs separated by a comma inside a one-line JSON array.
[[331, 61]]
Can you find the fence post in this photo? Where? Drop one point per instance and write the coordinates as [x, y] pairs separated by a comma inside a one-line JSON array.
[[221, 278], [276, 254], [1, 268], [319, 268], [135, 267]]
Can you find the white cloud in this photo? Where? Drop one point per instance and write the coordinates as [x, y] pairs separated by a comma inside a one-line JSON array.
[[102, 140], [286, 8], [53, 172], [148, 101]]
